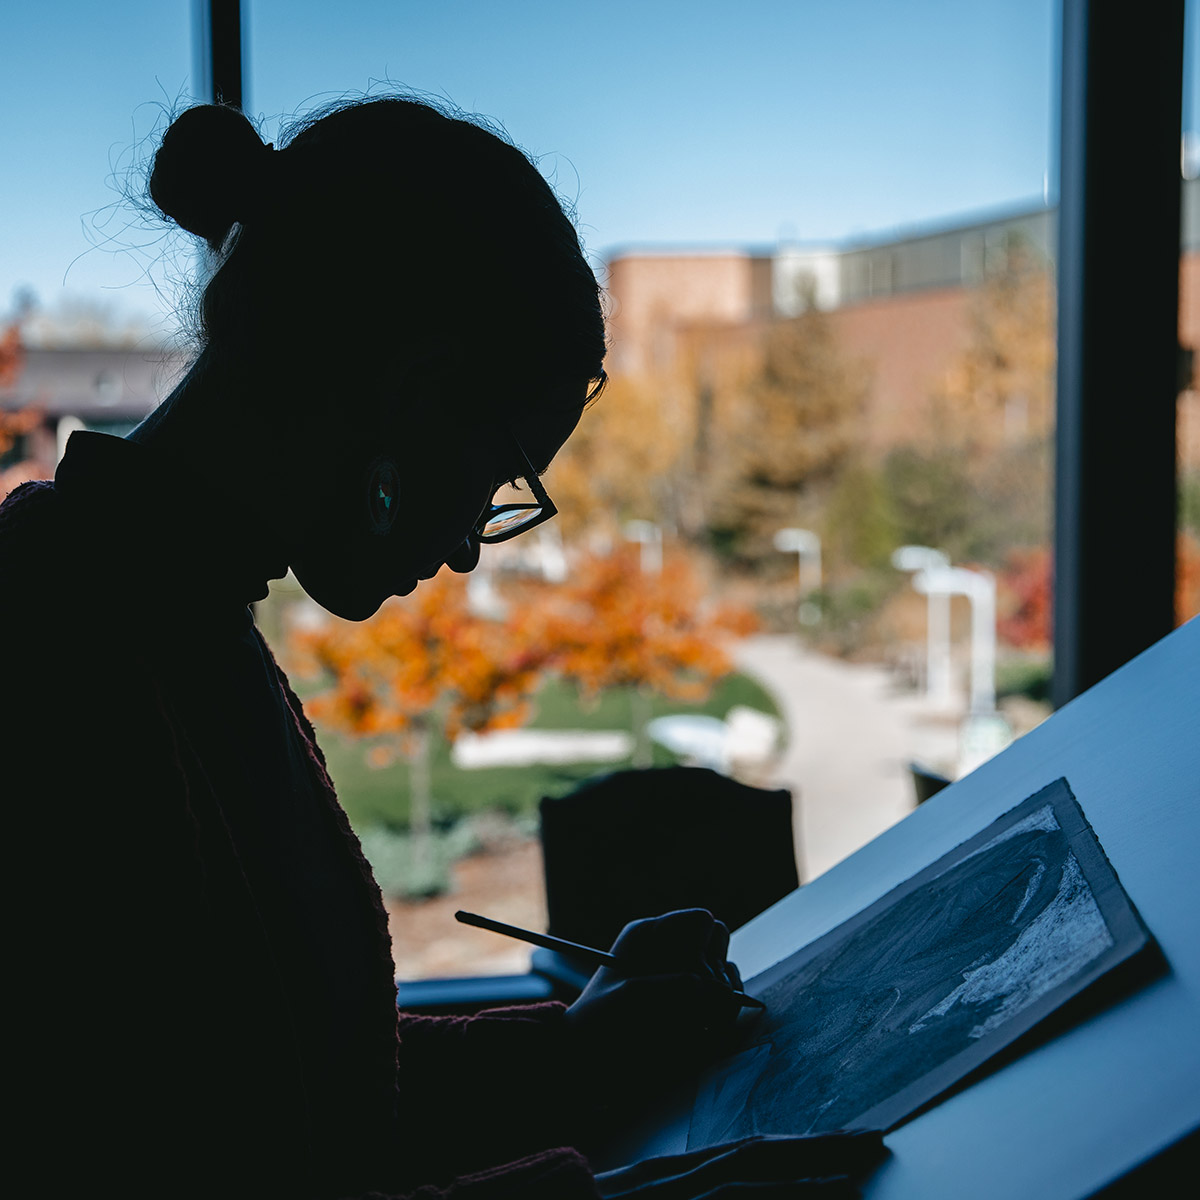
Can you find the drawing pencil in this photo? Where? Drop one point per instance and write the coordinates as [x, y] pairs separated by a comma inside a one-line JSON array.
[[597, 958]]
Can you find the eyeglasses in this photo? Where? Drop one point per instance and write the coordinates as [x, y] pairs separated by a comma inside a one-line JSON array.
[[503, 521]]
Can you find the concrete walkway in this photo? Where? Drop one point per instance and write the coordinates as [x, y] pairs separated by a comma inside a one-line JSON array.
[[851, 737]]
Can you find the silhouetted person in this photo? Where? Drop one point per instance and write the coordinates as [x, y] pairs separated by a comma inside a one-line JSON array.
[[398, 319]]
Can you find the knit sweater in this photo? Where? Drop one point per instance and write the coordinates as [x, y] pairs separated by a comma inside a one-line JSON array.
[[198, 952]]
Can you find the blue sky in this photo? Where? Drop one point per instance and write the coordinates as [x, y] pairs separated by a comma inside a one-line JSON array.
[[665, 121]]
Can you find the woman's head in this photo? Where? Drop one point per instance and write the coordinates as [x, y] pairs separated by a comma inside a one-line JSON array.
[[376, 225], [405, 283]]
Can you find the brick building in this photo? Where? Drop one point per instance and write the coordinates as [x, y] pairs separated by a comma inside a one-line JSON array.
[[900, 302]]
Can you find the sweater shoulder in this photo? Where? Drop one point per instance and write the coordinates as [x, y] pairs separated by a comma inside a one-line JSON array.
[[33, 548], [25, 512]]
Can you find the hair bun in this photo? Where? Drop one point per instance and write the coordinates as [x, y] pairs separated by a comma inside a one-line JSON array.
[[210, 171]]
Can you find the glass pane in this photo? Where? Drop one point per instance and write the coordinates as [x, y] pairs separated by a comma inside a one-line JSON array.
[[81, 267], [827, 239]]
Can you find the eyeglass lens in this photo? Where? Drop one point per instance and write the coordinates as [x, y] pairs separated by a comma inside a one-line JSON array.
[[505, 522]]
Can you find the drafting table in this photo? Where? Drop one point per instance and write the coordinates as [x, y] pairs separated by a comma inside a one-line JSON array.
[[1084, 1108]]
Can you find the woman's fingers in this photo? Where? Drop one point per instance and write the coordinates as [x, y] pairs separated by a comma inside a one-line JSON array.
[[695, 1002], [689, 939], [718, 946], [838, 1188], [755, 1166], [674, 1165], [691, 927], [734, 976], [666, 1020]]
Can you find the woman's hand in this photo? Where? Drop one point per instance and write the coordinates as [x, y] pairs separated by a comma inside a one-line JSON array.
[[755, 1167], [669, 1001]]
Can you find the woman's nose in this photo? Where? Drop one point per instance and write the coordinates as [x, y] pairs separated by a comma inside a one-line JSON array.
[[465, 558]]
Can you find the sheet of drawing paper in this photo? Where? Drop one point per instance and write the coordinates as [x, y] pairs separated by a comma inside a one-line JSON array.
[[881, 1015]]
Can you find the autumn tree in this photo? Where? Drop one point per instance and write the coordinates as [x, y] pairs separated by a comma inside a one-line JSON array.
[[15, 468], [623, 459], [1001, 388], [11, 356], [13, 427], [974, 477], [784, 433], [975, 481], [616, 626], [1187, 577], [424, 667]]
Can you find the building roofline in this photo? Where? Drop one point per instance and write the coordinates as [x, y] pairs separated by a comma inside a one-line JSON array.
[[915, 231], [686, 249], [939, 226]]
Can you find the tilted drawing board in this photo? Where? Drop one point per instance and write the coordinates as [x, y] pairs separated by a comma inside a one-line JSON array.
[[883, 1014]]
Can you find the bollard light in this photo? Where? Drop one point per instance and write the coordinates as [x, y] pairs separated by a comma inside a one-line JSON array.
[[649, 536], [807, 545]]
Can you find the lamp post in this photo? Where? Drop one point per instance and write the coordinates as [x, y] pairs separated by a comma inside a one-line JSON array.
[[980, 589], [649, 537], [984, 732], [807, 545], [937, 620]]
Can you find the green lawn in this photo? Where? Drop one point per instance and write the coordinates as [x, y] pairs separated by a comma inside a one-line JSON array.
[[380, 797]]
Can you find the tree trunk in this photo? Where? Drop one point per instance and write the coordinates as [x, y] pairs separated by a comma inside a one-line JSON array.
[[420, 810], [639, 706]]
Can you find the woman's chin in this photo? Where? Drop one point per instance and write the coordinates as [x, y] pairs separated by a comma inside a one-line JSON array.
[[350, 608], [351, 597], [363, 604], [351, 604]]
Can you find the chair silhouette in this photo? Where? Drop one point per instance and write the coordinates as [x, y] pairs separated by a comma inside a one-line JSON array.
[[926, 781], [640, 843], [637, 844]]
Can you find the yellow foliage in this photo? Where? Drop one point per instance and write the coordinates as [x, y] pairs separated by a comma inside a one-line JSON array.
[[627, 443], [1001, 388], [12, 426], [784, 432]]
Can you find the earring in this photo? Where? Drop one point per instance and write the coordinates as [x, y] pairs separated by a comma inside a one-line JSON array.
[[383, 495]]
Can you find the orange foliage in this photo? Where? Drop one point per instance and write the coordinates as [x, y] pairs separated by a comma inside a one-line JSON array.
[[12, 356], [428, 664], [1187, 578], [16, 424], [12, 426], [421, 662], [615, 626]]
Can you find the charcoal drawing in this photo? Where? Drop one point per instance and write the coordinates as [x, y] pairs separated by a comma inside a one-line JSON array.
[[884, 1013]]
